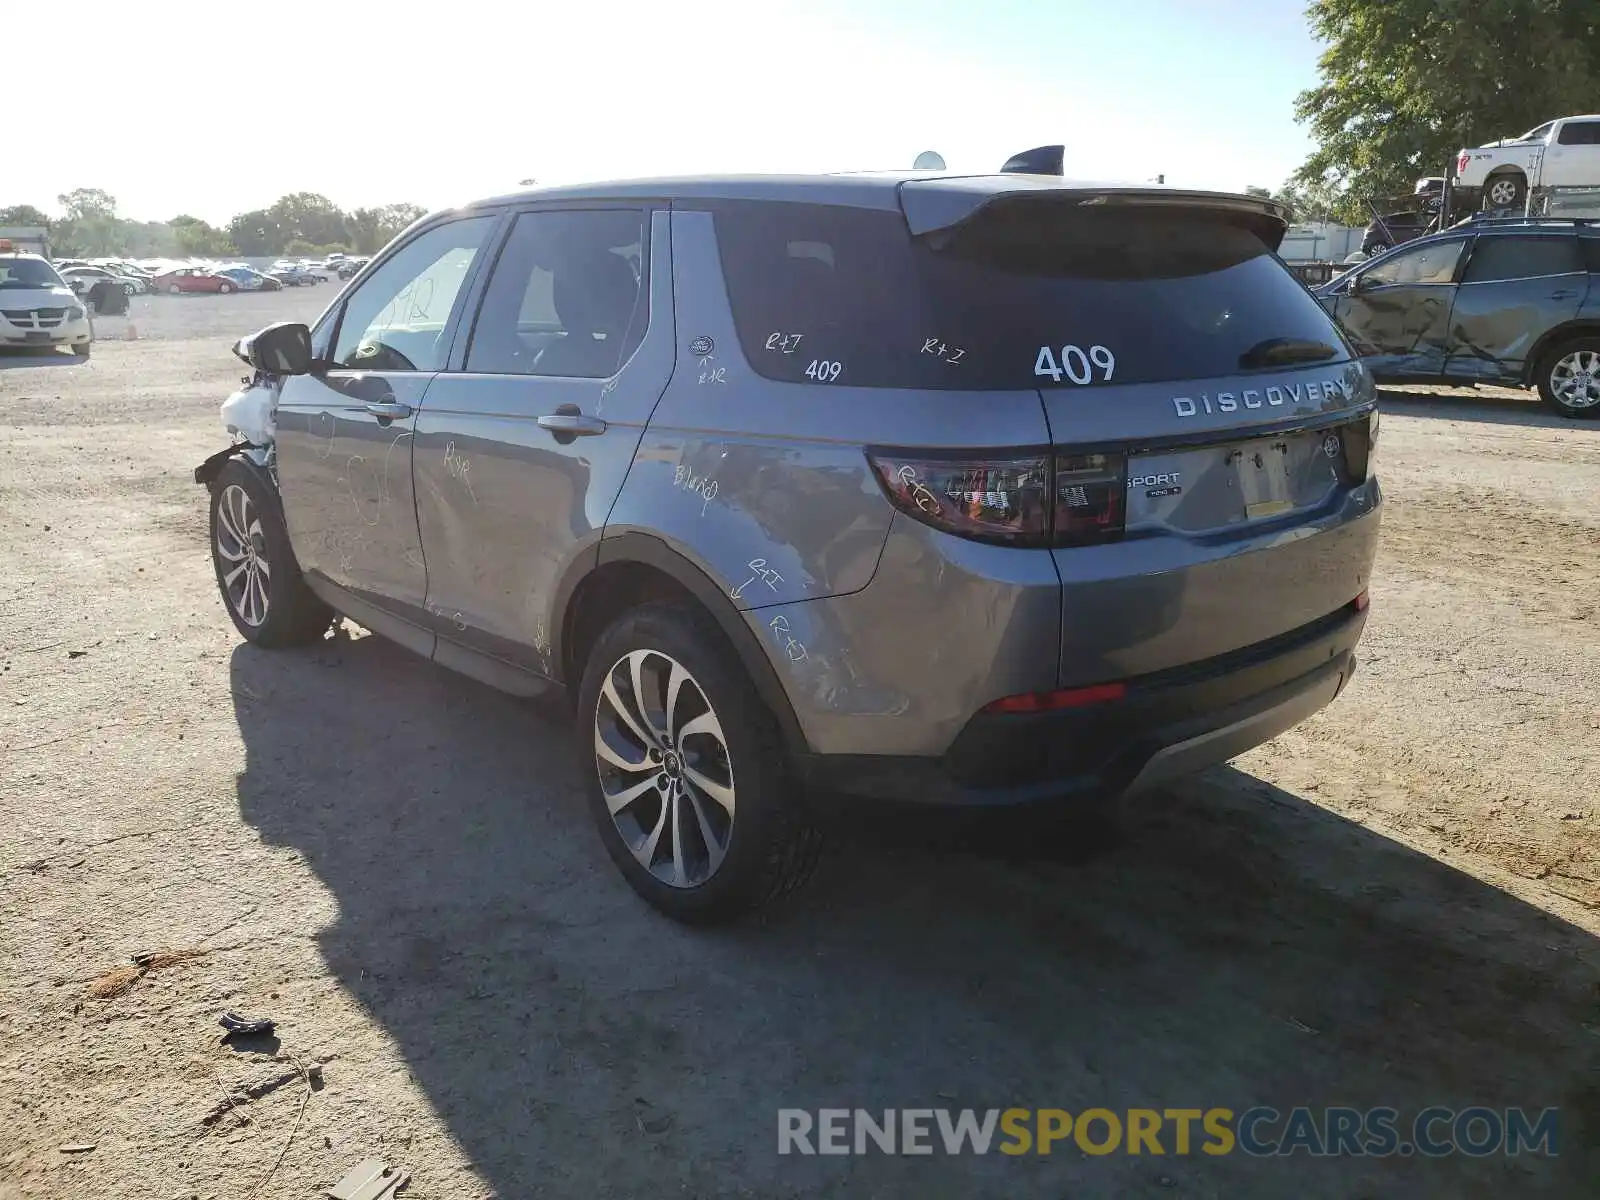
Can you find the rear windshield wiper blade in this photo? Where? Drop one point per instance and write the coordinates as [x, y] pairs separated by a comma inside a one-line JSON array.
[[1279, 352]]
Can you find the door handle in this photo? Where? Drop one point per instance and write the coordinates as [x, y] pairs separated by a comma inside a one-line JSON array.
[[1563, 294], [387, 410], [568, 422]]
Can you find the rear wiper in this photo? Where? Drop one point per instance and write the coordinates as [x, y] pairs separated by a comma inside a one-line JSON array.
[[1279, 352]]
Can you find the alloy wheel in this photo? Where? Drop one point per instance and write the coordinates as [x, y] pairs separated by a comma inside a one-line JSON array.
[[241, 543], [664, 768], [1502, 193], [1575, 379]]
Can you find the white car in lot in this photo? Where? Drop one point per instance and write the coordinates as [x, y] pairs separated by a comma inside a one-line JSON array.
[[1563, 153], [37, 308]]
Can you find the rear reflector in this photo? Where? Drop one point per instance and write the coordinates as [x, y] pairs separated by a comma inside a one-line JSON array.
[[1360, 602], [1037, 702]]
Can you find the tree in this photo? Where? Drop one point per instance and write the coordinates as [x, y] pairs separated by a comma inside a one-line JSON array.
[[1256, 190], [194, 238], [371, 229], [90, 226], [257, 233], [308, 217], [1405, 83], [26, 215]]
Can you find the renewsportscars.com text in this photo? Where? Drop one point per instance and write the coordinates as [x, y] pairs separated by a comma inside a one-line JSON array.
[[1325, 1132]]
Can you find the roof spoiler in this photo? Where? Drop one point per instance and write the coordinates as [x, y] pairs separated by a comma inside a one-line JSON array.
[[938, 206], [1041, 160]]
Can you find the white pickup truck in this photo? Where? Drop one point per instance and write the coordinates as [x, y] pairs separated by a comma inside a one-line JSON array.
[[1564, 153]]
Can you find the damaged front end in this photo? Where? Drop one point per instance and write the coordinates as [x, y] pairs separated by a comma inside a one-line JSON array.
[[249, 414]]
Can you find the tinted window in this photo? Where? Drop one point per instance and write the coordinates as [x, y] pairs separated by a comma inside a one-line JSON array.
[[1591, 252], [1433, 263], [16, 273], [397, 318], [1027, 294], [565, 298], [1580, 133], [1502, 257]]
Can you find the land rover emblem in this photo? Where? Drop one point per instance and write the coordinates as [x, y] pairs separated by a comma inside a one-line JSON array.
[[701, 346], [1330, 445]]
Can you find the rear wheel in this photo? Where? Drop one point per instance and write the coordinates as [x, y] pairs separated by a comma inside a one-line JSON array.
[[225, 288], [1569, 378], [687, 778], [258, 576], [1375, 246], [1505, 191], [130, 289]]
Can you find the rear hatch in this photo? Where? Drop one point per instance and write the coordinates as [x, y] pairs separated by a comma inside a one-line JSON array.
[[1205, 415]]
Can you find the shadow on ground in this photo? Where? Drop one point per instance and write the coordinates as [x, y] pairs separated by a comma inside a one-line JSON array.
[[1240, 947], [12, 357], [1501, 406]]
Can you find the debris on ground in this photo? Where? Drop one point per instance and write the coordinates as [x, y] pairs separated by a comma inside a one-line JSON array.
[[244, 1094], [78, 1147], [246, 1026], [119, 981], [369, 1180]]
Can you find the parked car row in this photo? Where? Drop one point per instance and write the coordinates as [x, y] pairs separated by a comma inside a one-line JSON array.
[[175, 279]]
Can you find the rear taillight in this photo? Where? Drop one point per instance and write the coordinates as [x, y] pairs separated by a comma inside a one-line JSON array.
[[1360, 441], [1030, 500]]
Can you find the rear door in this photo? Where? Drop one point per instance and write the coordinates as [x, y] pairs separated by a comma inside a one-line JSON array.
[[524, 444], [1573, 159], [1397, 311], [1514, 290]]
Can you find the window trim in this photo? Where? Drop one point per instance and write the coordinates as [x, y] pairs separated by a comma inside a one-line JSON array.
[[326, 336], [1594, 140], [456, 363], [1483, 239]]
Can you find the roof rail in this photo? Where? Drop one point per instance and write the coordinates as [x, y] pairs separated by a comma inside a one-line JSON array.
[[1518, 220]]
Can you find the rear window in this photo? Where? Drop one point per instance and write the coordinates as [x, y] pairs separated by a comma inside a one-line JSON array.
[[1026, 295]]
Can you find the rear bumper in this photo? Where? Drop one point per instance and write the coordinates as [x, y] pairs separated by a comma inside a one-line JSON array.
[[1170, 723]]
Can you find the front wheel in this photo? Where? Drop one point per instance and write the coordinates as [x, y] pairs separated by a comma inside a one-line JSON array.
[[130, 289], [1569, 378], [258, 576], [687, 777], [81, 349]]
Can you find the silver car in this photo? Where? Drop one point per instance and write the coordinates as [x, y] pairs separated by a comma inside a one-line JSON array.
[[950, 490]]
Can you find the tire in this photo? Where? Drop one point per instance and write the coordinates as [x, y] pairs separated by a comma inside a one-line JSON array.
[[270, 607], [1376, 246], [224, 289], [130, 289], [1506, 190], [174, 290], [1568, 378], [81, 349], [728, 858]]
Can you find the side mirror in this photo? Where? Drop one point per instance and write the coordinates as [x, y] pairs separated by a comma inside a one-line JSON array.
[[281, 349]]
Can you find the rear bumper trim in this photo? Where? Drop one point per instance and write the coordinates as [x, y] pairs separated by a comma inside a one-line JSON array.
[[1171, 723]]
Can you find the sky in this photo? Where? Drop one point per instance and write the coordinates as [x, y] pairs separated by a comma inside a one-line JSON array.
[[213, 107]]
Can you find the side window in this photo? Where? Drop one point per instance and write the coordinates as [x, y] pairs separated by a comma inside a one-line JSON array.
[[1500, 257], [566, 298], [1580, 133], [396, 320], [1433, 263]]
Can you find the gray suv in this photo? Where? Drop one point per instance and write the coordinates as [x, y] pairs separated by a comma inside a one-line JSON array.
[[949, 490]]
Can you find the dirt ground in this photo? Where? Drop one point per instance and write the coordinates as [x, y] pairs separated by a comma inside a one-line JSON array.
[[1395, 904]]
